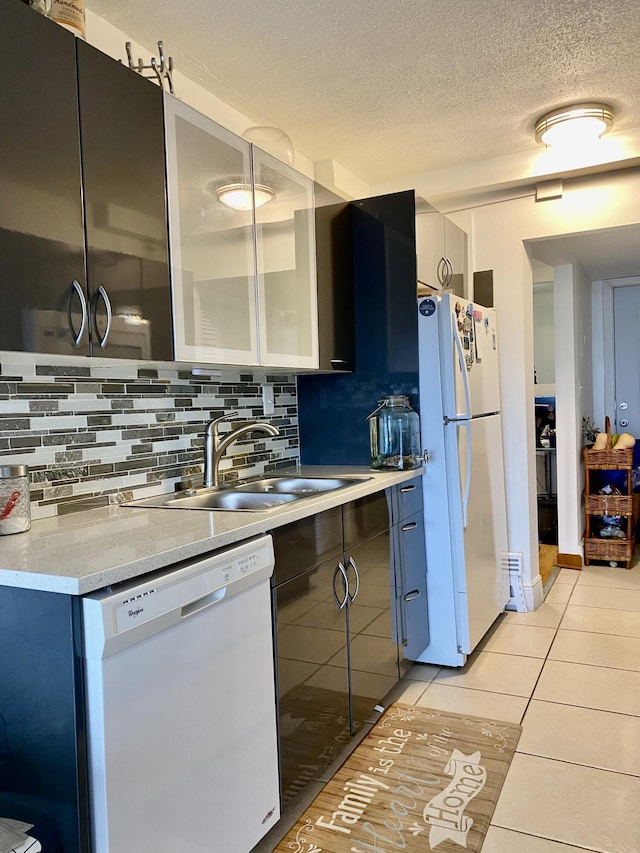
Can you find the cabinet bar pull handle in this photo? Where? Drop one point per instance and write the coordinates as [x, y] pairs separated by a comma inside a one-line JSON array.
[[338, 361], [407, 488], [357, 573], [77, 336], [102, 339], [409, 526], [340, 570], [441, 271], [449, 272], [411, 596]]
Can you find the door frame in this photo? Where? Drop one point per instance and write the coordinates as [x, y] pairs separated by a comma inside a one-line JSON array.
[[602, 330]]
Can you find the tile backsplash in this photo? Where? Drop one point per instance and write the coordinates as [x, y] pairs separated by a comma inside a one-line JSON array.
[[99, 434]]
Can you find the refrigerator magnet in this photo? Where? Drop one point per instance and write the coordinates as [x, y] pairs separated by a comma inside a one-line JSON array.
[[427, 307]]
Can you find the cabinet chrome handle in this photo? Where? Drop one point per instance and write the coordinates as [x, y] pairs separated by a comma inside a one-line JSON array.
[[411, 596], [409, 526], [407, 488], [340, 570], [77, 336], [441, 271], [449, 272], [357, 573], [338, 362], [101, 292]]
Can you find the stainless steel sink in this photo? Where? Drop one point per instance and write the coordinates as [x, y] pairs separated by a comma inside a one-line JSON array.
[[209, 499], [257, 496], [301, 486]]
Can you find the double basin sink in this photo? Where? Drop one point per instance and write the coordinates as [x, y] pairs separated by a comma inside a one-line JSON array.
[[250, 496]]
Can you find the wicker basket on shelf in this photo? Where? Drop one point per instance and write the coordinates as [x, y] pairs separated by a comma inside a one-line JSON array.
[[610, 549], [609, 504], [609, 458]]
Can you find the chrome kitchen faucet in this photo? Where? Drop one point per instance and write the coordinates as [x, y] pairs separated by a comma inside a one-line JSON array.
[[214, 446]]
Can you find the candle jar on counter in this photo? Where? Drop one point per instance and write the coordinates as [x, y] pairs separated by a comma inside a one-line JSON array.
[[15, 504]]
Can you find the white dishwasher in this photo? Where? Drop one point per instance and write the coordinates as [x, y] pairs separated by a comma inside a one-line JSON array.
[[181, 717]]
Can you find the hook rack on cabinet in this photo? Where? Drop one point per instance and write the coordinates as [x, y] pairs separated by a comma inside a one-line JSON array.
[[161, 68]]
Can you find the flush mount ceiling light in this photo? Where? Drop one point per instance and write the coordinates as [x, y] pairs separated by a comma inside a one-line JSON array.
[[240, 196], [578, 124]]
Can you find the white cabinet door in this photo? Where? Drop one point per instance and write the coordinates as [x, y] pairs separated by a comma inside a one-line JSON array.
[[285, 246], [441, 249], [455, 250], [211, 244], [430, 247]]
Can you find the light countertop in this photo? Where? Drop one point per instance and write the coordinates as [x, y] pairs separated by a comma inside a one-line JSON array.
[[84, 551]]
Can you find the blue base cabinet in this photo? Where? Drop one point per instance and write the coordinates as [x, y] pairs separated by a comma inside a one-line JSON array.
[[43, 772], [410, 560]]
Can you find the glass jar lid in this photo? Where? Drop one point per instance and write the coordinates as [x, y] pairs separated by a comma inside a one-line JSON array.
[[394, 400]]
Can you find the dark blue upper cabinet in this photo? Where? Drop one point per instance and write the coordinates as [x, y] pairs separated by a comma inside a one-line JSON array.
[[41, 225], [384, 268], [83, 229], [332, 408], [123, 171], [334, 276]]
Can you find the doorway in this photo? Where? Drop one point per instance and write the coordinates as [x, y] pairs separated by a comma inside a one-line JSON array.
[[592, 267], [626, 325]]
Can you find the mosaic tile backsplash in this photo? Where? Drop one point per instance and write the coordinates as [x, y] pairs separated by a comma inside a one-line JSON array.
[[93, 435]]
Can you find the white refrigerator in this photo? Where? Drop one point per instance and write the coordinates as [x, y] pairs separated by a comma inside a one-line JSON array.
[[464, 493]]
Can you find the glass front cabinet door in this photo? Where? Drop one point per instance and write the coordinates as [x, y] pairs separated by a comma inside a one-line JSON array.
[[285, 246], [242, 249], [212, 242]]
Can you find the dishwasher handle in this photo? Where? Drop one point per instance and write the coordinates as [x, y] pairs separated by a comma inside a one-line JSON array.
[[202, 603]]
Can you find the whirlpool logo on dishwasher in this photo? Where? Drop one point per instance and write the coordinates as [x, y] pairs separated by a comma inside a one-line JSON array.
[[136, 612]]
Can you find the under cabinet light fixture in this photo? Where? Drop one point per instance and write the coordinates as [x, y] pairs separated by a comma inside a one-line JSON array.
[[577, 124], [241, 196]]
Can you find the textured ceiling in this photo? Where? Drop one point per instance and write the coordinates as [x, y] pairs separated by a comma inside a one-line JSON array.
[[390, 88]]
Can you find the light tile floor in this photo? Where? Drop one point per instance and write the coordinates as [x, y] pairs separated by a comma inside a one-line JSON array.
[[570, 673]]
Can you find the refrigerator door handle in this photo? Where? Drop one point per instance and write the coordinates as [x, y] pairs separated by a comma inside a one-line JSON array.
[[463, 373], [467, 484]]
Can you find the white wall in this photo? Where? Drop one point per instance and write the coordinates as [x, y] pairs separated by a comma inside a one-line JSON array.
[[574, 398], [544, 350], [499, 234]]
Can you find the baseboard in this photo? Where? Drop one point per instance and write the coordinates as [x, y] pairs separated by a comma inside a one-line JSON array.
[[569, 561], [525, 596]]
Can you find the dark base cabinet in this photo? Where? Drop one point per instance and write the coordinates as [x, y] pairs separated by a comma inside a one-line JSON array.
[[43, 777], [411, 570], [334, 595]]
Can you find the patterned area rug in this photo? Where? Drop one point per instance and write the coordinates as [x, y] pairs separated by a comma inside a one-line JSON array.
[[420, 780]]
